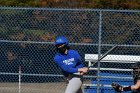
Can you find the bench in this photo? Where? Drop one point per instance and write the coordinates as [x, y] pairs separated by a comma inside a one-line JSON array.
[[91, 58]]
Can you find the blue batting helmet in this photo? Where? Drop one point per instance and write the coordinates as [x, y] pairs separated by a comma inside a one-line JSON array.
[[61, 40]]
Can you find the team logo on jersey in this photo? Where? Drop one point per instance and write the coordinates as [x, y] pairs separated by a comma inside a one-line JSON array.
[[68, 61]]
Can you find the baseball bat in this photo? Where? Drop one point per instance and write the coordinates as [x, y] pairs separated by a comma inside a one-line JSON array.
[[103, 55]]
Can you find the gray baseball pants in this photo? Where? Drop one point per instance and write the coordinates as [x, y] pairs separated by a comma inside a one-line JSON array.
[[74, 85]]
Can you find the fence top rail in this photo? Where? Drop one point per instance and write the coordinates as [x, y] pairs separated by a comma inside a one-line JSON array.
[[68, 9]]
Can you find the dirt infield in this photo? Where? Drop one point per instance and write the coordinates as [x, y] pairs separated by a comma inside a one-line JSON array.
[[57, 87]]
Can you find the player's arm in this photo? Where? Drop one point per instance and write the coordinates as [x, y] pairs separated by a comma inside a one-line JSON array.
[[120, 88], [136, 86], [132, 87], [66, 67], [79, 64]]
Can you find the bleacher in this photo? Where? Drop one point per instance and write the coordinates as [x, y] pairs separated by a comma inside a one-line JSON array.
[[110, 73]]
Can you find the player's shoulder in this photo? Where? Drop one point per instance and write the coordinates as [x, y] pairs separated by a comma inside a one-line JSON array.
[[72, 51], [57, 56]]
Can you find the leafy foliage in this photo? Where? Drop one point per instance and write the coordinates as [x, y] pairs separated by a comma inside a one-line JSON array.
[[105, 4]]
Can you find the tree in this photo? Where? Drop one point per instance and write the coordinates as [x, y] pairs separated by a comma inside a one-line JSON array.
[[104, 4]]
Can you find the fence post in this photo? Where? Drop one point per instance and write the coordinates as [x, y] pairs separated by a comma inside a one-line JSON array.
[[19, 90], [99, 51]]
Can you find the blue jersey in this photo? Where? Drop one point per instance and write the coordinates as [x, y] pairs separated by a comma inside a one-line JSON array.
[[69, 63]]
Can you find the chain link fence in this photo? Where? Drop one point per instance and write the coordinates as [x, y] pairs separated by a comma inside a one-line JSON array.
[[27, 47]]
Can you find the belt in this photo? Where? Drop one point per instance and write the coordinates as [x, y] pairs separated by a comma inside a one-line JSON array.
[[70, 76]]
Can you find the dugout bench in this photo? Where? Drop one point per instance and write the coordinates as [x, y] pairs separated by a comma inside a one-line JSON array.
[[113, 68]]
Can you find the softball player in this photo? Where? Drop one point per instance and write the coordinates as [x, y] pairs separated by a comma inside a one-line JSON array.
[[70, 62], [134, 88]]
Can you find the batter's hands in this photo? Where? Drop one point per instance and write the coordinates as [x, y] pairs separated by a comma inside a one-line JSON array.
[[81, 73], [83, 70]]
